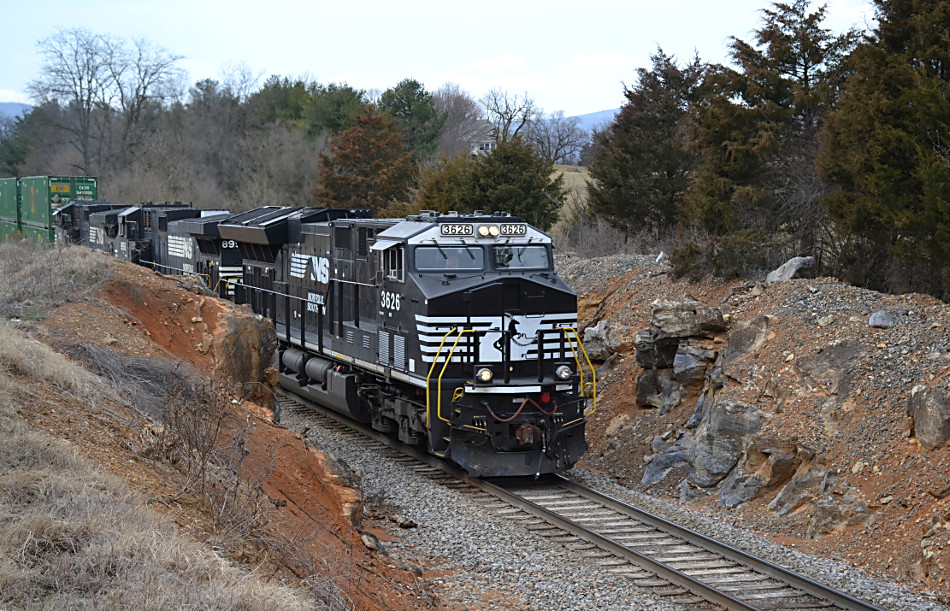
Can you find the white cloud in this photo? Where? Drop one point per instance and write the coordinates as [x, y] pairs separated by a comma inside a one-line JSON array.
[[11, 95]]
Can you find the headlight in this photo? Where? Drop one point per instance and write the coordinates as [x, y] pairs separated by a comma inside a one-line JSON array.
[[563, 372], [484, 375], [488, 230]]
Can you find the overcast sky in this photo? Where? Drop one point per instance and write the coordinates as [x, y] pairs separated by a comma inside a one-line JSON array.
[[568, 56]]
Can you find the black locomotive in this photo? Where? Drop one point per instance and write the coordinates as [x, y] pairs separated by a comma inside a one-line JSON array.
[[452, 332]]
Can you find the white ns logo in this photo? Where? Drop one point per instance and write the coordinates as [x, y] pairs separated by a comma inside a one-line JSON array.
[[320, 269]]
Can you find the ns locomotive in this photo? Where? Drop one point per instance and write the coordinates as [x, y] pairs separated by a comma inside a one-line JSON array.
[[452, 332]]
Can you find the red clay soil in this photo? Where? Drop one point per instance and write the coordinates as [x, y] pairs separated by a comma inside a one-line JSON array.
[[144, 314]]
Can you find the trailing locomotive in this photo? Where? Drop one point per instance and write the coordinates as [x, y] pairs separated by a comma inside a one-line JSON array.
[[452, 332]]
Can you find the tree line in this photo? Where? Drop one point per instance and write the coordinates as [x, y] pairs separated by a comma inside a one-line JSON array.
[[120, 110], [811, 144]]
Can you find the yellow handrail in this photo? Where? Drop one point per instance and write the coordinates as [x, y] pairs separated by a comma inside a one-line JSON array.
[[580, 367], [435, 361], [445, 365]]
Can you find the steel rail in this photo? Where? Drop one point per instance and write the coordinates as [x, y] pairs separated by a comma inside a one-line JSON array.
[[793, 579], [675, 577]]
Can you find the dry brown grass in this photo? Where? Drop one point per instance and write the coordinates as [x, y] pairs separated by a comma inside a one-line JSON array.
[[73, 537], [34, 279], [76, 538], [26, 358]]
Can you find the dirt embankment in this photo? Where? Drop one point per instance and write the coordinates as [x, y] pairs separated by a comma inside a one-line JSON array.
[[308, 510], [802, 419]]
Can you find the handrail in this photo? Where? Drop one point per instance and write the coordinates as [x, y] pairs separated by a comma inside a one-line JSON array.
[[448, 359], [580, 367], [445, 365]]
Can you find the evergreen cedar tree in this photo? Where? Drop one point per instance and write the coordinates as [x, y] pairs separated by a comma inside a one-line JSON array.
[[369, 166], [886, 150], [642, 169], [513, 178], [413, 109], [730, 152], [316, 108], [756, 132]]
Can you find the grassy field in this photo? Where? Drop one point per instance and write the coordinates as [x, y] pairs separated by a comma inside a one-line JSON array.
[[575, 180]]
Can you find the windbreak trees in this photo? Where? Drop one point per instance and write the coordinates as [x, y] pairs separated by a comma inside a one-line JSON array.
[[756, 186]]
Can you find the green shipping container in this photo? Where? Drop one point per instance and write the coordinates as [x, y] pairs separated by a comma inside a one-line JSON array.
[[41, 195], [9, 231], [8, 200], [39, 235]]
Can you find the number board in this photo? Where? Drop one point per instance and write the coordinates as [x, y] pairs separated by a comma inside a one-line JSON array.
[[456, 229], [519, 229]]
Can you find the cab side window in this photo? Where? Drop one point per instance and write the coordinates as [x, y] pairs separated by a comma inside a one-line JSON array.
[[394, 263]]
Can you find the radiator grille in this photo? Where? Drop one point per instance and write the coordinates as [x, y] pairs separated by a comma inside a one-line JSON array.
[[399, 351], [384, 347]]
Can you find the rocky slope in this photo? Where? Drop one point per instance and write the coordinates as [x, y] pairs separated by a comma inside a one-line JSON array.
[[815, 413]]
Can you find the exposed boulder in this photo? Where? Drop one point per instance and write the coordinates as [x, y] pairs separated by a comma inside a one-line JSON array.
[[930, 410], [657, 388], [809, 481], [768, 462], [242, 348], [881, 320], [653, 353], [680, 317], [692, 360], [718, 443], [660, 465], [790, 269], [605, 339], [832, 503], [676, 352]]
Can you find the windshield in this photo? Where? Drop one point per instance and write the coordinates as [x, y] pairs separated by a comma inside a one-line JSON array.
[[450, 258], [521, 257]]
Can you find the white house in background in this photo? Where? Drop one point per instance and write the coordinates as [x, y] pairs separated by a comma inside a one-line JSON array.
[[484, 139]]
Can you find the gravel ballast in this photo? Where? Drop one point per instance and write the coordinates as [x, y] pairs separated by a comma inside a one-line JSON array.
[[487, 561]]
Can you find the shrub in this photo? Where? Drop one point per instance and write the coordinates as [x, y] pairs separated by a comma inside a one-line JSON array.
[[38, 278]]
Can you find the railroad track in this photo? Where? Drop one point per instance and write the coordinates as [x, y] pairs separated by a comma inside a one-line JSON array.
[[625, 541]]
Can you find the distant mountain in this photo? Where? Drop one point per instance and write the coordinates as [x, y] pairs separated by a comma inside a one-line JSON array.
[[596, 120], [12, 109]]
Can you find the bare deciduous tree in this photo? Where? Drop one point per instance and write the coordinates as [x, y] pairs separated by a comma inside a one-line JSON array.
[[96, 78], [462, 123], [509, 113], [557, 138]]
